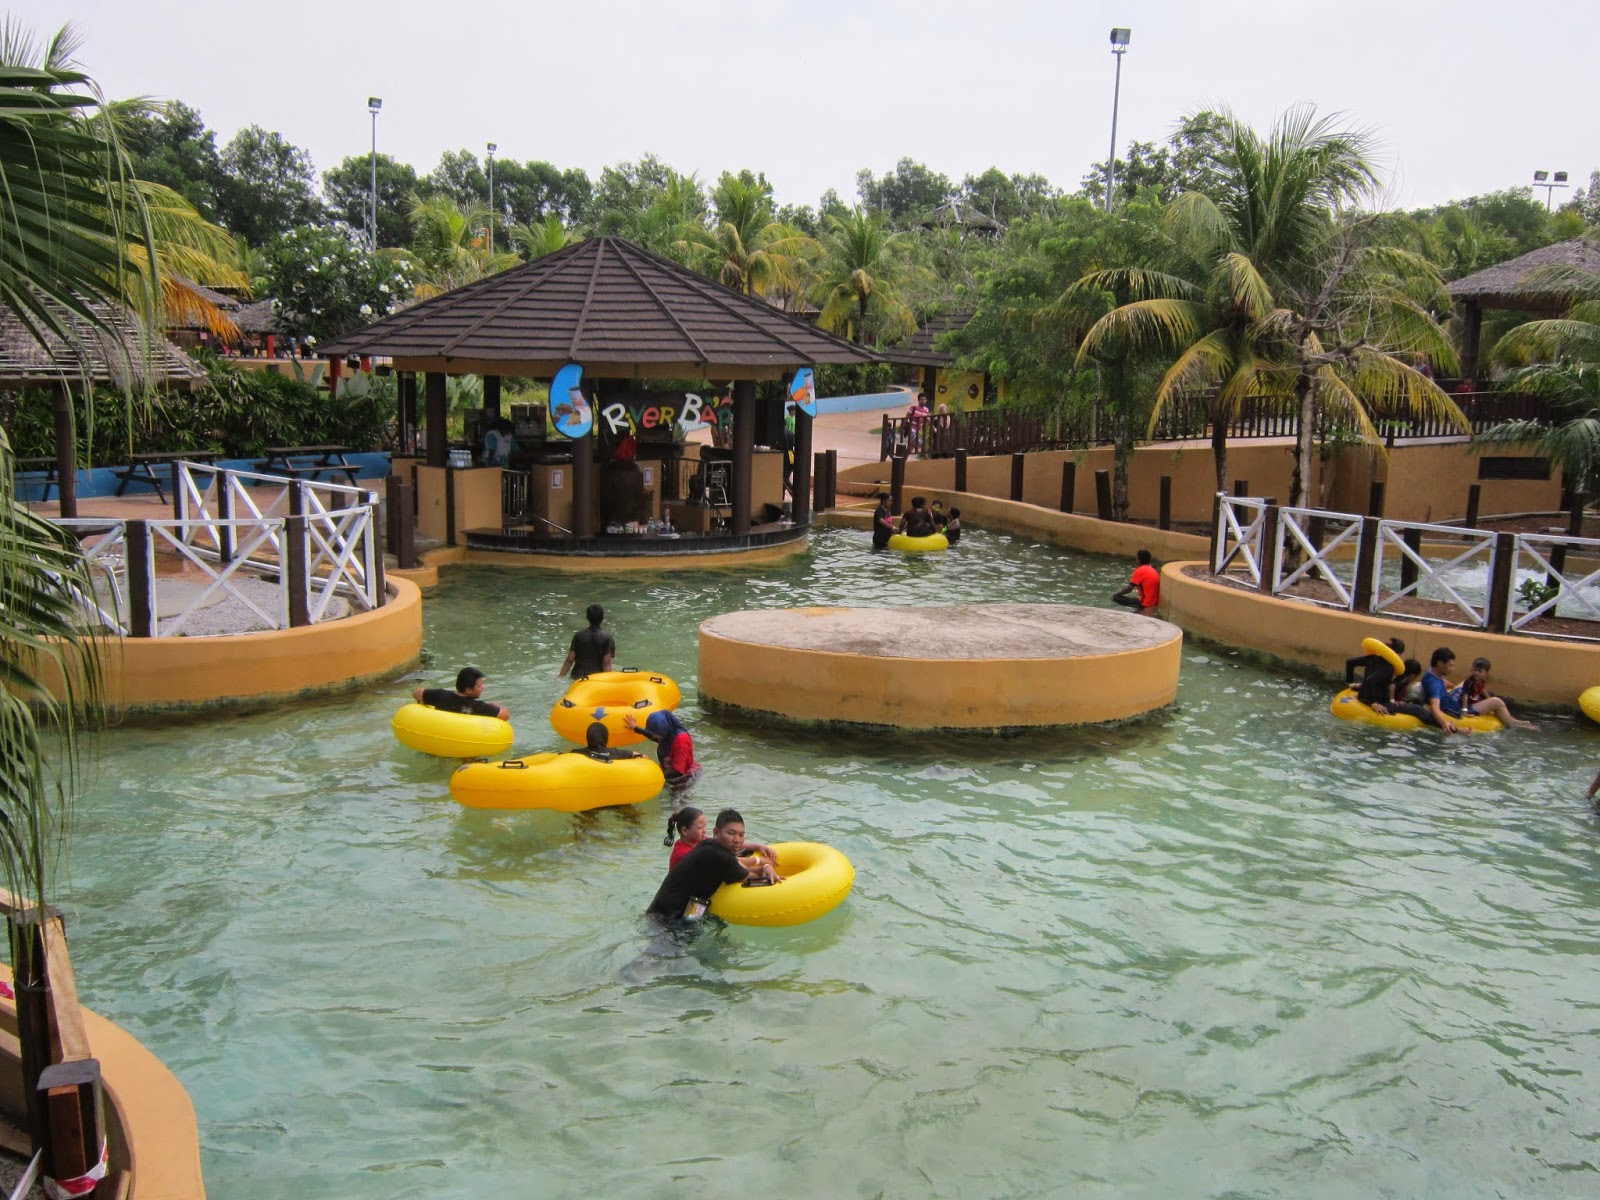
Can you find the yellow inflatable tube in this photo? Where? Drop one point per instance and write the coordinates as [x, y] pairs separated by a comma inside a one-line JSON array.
[[816, 879], [1346, 707], [932, 543], [1386, 652], [1589, 702], [568, 782], [607, 697], [451, 735]]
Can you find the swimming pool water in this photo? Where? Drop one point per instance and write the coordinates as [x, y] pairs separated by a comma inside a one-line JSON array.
[[1238, 949]]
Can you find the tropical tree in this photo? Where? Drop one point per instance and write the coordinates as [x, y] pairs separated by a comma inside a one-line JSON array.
[[449, 246], [745, 248], [268, 186], [1277, 290], [862, 265], [348, 190], [327, 282], [1558, 359], [544, 237]]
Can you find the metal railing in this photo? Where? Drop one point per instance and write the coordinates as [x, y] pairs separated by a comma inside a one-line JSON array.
[[314, 543], [1468, 578]]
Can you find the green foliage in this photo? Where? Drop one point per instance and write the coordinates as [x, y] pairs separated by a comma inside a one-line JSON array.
[[855, 379], [1191, 160], [326, 282], [169, 144], [268, 186], [1535, 592], [906, 194], [348, 188]]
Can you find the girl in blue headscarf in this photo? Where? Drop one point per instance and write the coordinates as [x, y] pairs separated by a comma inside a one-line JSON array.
[[674, 746]]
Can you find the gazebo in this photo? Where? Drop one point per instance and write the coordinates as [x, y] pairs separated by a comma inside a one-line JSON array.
[[624, 315], [116, 353], [1531, 282], [918, 351]]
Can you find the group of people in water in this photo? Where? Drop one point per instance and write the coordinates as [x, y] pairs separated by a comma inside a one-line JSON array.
[[1428, 695], [698, 865], [920, 520]]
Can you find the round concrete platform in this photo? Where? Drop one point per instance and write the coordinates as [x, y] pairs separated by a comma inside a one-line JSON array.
[[966, 666]]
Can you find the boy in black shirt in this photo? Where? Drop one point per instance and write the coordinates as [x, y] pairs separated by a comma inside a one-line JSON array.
[[687, 889], [467, 698]]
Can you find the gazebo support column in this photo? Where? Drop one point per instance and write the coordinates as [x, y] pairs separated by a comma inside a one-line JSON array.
[[930, 386], [491, 398], [744, 446], [435, 421], [1471, 335], [583, 486], [408, 412], [800, 493], [66, 451]]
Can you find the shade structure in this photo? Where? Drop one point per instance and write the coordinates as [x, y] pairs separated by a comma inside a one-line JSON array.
[[119, 352], [1532, 281], [621, 311]]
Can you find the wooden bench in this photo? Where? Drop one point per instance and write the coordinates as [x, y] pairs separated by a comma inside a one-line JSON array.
[[308, 462], [30, 467], [154, 469], [310, 470]]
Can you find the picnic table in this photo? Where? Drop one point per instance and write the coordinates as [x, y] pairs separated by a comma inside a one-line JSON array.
[[33, 466], [309, 462], [152, 469]]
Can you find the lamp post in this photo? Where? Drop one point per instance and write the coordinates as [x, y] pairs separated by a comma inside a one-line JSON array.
[[492, 149], [374, 103], [1542, 179], [1119, 47]]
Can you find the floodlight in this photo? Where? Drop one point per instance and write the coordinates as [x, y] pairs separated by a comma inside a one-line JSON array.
[[1119, 38], [1540, 176], [374, 103], [1561, 176]]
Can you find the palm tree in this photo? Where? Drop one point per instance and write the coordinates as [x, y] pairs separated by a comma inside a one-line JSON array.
[[538, 238], [861, 261], [449, 246], [745, 249], [1280, 293]]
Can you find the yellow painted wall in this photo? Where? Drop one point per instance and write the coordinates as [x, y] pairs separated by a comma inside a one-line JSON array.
[[1529, 669], [952, 388], [181, 673], [1423, 482], [913, 693]]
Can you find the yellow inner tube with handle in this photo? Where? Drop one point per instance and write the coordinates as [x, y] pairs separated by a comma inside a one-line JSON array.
[[816, 879], [1386, 652], [569, 782], [451, 735], [928, 544], [1589, 703], [607, 697]]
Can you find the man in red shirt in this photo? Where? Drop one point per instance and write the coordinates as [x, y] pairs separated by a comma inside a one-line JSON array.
[[1146, 582]]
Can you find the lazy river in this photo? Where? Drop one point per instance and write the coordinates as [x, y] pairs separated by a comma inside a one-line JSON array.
[[1237, 949]]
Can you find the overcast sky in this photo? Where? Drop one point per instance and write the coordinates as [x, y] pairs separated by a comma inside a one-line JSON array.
[[1464, 97]]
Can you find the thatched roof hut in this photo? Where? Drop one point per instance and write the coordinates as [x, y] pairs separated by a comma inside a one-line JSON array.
[[1538, 281]]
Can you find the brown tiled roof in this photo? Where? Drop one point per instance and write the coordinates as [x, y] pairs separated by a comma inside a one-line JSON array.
[[918, 351], [1533, 280], [122, 355], [608, 304]]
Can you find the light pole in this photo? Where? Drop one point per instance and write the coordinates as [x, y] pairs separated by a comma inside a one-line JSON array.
[[1119, 47], [1542, 179], [374, 103], [492, 149]]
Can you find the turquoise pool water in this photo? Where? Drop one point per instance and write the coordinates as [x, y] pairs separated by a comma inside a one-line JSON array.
[[1239, 949]]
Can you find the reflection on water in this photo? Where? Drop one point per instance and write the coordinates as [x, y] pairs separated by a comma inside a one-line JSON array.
[[1238, 949]]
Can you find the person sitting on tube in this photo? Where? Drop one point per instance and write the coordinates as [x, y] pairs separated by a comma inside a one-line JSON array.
[[467, 698], [597, 737]]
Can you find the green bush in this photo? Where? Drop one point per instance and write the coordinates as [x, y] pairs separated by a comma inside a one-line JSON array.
[[864, 379]]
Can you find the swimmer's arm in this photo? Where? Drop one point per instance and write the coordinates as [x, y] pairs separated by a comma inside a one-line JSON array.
[[567, 666], [417, 695], [1595, 786]]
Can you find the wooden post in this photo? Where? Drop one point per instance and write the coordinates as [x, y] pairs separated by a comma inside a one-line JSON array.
[[897, 483], [491, 398], [800, 489], [961, 468], [1217, 541], [1366, 557], [744, 450], [1474, 494], [449, 506], [141, 581], [1375, 499], [1575, 513], [295, 565], [1164, 518], [434, 420], [1102, 494], [66, 451], [227, 536], [1018, 462], [1069, 484], [408, 413], [583, 486], [1269, 549], [1408, 569], [73, 1128], [1316, 530], [1500, 578], [1241, 487], [819, 481], [833, 478], [49, 1023]]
